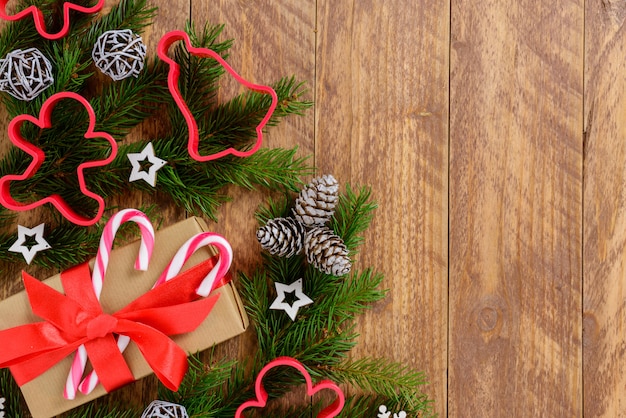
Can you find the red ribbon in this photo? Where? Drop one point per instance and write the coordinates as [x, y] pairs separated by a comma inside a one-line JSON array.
[[77, 318]]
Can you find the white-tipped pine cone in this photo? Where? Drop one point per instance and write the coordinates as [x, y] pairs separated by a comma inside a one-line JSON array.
[[316, 203], [326, 251], [283, 237]]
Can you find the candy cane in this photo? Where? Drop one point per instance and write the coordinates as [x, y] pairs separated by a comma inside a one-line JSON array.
[[200, 240], [172, 270], [97, 278]]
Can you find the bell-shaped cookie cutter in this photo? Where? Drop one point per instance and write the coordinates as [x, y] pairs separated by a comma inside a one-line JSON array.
[[172, 81]]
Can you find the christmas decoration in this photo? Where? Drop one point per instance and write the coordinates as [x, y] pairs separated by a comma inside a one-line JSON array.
[[283, 237], [122, 106], [316, 203], [261, 394], [27, 249], [327, 251], [138, 172], [161, 409], [38, 155], [384, 413], [25, 74], [2, 401], [119, 54], [173, 83], [321, 338], [300, 299], [39, 17], [171, 308]]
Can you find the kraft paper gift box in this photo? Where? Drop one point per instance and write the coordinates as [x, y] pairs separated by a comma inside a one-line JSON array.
[[123, 284]]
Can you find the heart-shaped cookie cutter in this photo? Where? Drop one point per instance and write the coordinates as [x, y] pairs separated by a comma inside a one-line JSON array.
[[38, 17], [261, 394], [172, 81], [44, 121]]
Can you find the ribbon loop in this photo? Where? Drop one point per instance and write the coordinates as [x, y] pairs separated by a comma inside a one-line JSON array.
[[169, 309]]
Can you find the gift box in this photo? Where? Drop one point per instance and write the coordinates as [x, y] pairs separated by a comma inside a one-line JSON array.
[[123, 284]]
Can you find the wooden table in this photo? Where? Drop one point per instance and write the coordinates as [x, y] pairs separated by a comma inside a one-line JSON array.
[[492, 134]]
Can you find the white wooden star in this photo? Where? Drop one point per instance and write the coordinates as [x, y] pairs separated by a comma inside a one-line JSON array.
[[137, 172], [29, 251], [301, 298]]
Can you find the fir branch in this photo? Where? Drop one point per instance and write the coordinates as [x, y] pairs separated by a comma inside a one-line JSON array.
[[14, 405], [385, 378], [135, 15], [353, 216]]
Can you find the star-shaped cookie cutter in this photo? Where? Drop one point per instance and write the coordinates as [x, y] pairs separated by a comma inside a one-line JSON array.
[[172, 81], [38, 17], [44, 121], [261, 394]]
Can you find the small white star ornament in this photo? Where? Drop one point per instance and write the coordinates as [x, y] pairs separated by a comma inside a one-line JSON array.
[[291, 309], [137, 158], [23, 234], [2, 400]]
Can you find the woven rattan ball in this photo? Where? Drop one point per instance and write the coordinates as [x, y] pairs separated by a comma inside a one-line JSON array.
[[162, 409], [119, 54], [24, 74]]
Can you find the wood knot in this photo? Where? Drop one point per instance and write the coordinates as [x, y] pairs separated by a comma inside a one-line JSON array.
[[487, 318]]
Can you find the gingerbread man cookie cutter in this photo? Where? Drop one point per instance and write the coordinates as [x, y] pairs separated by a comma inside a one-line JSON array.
[[38, 17], [38, 155], [261, 394]]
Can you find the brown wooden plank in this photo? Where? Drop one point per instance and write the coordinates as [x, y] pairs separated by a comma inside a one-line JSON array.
[[515, 208], [272, 39], [605, 211], [381, 120]]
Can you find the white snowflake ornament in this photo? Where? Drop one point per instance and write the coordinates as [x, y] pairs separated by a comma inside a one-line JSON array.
[[2, 400], [162, 409], [384, 413]]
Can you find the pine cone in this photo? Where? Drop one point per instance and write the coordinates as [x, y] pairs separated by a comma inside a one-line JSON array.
[[316, 203], [283, 237], [326, 251]]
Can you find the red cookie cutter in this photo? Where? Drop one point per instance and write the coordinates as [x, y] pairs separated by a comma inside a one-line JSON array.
[[172, 81], [44, 121], [261, 395], [39, 19]]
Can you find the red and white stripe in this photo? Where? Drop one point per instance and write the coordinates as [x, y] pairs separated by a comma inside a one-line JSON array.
[[196, 242], [97, 278], [172, 270]]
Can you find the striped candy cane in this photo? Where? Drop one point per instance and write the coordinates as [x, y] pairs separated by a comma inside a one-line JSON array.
[[200, 240], [97, 278], [174, 267]]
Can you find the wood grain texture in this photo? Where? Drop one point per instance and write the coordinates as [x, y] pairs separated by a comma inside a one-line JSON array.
[[604, 250], [515, 209], [381, 120]]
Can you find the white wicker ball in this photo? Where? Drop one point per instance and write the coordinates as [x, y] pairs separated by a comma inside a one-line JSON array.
[[24, 74], [162, 409], [119, 54]]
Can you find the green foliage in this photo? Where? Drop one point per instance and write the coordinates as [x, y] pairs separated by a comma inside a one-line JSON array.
[[321, 337], [124, 105]]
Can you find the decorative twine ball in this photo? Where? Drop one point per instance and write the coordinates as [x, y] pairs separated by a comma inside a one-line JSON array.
[[24, 74], [119, 54], [162, 409]]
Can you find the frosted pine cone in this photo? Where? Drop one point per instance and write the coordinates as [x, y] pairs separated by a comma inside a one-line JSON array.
[[326, 251], [316, 203], [283, 237]]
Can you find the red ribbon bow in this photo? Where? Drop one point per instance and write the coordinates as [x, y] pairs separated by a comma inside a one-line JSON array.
[[77, 318]]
